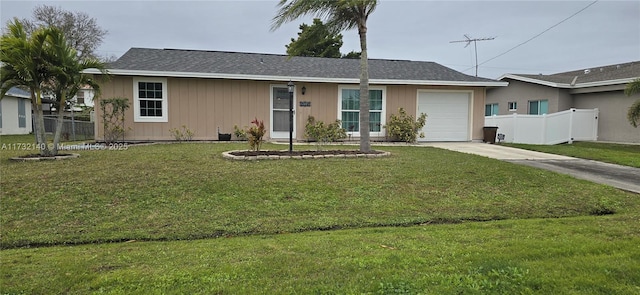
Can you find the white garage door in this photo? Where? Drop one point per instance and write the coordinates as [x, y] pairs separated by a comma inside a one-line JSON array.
[[447, 115]]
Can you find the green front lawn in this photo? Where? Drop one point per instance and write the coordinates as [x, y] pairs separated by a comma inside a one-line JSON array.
[[621, 154], [580, 255], [269, 220]]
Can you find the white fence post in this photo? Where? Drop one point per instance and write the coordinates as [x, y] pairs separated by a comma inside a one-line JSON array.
[[572, 110], [515, 127]]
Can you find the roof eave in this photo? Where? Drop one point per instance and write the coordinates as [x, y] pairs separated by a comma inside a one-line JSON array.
[[564, 85], [535, 81], [120, 72], [605, 83]]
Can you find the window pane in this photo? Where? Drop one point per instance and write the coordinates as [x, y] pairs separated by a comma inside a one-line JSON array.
[[142, 85], [487, 110], [374, 122], [281, 99], [533, 107], [158, 86], [142, 94], [350, 99], [281, 121], [494, 109], [375, 100], [350, 121], [544, 106]]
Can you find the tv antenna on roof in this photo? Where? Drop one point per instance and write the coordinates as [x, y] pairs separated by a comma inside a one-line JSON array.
[[475, 45]]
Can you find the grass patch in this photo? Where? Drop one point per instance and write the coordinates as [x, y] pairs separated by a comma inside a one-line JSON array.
[[581, 255], [621, 154], [188, 191], [161, 203]]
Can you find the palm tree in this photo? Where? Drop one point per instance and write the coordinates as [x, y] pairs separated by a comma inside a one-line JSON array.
[[42, 61], [68, 78], [339, 15], [633, 115], [25, 64]]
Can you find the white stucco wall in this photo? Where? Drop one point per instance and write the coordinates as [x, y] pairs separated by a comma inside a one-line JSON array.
[[9, 106]]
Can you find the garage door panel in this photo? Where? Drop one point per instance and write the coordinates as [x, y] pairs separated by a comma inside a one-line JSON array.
[[447, 115]]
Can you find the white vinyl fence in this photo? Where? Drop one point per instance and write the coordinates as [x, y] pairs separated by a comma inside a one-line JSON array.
[[566, 126]]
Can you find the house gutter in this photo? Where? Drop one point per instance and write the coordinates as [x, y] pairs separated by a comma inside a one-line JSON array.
[[572, 85], [296, 79]]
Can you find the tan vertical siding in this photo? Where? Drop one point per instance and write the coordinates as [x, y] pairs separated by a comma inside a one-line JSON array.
[[324, 104], [203, 105], [477, 116], [116, 86]]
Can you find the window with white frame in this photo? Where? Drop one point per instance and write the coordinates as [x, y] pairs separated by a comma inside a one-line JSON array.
[[80, 97], [513, 106], [349, 109], [491, 109], [150, 100], [538, 107]]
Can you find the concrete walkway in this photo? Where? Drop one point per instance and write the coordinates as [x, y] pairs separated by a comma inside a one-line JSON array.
[[496, 151], [622, 177]]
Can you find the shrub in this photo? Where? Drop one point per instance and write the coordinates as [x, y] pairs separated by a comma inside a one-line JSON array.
[[240, 133], [113, 118], [255, 134], [403, 127], [182, 134], [322, 133]]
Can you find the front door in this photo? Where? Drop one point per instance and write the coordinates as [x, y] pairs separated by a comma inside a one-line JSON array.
[[280, 112]]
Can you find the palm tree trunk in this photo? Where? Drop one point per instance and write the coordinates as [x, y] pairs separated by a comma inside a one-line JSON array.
[[365, 144], [41, 136], [59, 124]]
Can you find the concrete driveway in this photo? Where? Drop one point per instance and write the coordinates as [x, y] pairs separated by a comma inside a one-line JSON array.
[[622, 177]]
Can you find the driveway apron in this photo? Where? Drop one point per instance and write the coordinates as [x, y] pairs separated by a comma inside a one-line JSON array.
[[622, 177]]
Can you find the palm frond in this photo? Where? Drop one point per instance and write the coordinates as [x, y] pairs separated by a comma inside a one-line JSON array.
[[633, 115], [338, 14], [632, 88]]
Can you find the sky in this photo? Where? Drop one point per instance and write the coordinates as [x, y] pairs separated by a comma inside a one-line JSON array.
[[531, 37]]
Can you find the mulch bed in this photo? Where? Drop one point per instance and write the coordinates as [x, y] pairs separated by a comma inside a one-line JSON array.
[[37, 157], [302, 153]]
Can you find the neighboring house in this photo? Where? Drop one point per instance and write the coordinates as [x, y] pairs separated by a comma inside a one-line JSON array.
[[15, 112], [84, 98], [598, 87], [207, 90]]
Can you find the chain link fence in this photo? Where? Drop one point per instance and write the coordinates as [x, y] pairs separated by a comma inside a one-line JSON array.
[[72, 129]]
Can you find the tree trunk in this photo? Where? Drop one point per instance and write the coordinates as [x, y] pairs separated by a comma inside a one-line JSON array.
[[41, 136], [365, 144], [59, 124]]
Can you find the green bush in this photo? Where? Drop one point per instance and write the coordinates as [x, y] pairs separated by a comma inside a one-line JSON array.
[[113, 110], [403, 127], [240, 133], [322, 133], [184, 134]]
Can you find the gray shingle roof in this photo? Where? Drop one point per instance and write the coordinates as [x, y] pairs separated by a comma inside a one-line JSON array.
[[597, 74], [255, 64]]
